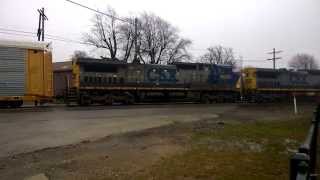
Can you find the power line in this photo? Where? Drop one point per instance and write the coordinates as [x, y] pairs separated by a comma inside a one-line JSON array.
[[70, 41], [274, 58], [12, 33], [135, 23], [51, 38], [91, 9], [32, 33], [249, 60], [18, 31], [63, 39], [127, 21], [29, 32]]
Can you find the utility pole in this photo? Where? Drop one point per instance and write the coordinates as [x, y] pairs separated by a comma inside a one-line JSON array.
[[136, 49], [42, 18], [274, 58], [39, 29]]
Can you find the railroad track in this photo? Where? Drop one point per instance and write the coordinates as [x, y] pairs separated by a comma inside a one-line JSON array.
[[52, 107]]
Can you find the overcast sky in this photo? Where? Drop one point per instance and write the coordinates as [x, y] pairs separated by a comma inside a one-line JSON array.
[[251, 27]]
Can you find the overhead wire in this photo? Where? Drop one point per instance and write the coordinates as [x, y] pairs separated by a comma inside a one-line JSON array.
[[16, 34], [63, 39], [106, 14], [67, 40], [18, 31], [31, 34]]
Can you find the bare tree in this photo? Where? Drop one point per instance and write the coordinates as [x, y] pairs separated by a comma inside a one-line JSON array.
[[303, 61], [79, 54], [127, 38], [219, 55], [179, 52], [105, 32], [159, 41]]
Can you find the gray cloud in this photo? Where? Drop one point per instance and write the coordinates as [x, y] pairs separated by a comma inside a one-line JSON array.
[[251, 27]]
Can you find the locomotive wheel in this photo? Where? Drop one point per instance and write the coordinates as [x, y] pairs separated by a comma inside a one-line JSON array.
[[15, 104], [205, 99], [108, 100], [220, 99], [3, 104], [84, 100], [130, 100]]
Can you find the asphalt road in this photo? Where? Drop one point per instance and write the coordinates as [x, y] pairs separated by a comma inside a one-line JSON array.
[[29, 129]]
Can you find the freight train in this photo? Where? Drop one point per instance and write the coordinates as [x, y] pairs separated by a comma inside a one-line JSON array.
[[26, 75], [264, 85], [106, 81]]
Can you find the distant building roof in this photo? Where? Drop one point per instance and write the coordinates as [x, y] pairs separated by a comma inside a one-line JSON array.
[[62, 66], [25, 44]]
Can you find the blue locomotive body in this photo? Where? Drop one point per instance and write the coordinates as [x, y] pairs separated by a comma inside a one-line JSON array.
[[223, 76], [160, 74]]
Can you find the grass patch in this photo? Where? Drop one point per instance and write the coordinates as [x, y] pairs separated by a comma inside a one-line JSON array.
[[255, 150]]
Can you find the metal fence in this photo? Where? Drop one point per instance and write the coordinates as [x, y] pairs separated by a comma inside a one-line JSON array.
[[303, 163]]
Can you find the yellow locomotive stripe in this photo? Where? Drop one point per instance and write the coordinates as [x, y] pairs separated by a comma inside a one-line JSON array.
[[154, 88], [290, 90]]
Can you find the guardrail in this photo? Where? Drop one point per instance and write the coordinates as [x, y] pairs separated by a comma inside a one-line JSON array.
[[303, 163]]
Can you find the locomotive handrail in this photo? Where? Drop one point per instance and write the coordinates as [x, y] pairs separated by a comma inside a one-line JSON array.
[[303, 163]]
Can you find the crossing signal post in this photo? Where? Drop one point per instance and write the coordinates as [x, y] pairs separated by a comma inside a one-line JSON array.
[[274, 58]]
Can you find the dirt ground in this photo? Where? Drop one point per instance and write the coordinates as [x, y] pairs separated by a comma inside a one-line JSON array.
[[167, 151], [29, 129]]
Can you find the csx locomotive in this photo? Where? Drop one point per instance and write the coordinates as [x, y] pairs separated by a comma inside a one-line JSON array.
[[106, 81], [264, 85]]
